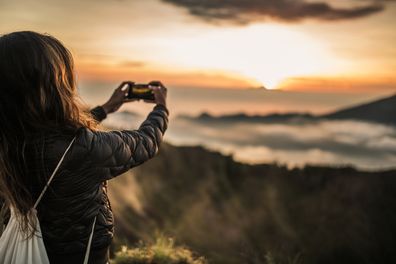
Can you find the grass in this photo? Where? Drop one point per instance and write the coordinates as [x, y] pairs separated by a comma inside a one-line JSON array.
[[162, 251]]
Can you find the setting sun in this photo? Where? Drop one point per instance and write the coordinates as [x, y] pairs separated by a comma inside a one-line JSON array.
[[266, 54], [187, 51]]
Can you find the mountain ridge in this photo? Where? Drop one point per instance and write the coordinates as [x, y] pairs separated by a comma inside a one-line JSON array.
[[203, 198], [382, 111], [378, 111]]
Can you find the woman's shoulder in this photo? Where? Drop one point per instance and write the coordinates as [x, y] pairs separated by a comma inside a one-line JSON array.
[[105, 151], [89, 138], [99, 143]]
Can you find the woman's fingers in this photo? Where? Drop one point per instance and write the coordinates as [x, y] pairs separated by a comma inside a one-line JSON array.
[[157, 84], [130, 100], [124, 85]]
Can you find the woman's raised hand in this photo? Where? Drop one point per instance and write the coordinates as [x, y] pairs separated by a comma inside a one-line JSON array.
[[160, 92], [118, 98]]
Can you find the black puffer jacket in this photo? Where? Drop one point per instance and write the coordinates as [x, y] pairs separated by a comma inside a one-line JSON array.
[[78, 191]]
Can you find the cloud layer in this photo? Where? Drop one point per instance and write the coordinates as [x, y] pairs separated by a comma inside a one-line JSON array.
[[295, 143], [244, 12]]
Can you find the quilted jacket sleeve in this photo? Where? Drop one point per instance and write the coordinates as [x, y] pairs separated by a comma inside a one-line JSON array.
[[98, 113], [115, 152]]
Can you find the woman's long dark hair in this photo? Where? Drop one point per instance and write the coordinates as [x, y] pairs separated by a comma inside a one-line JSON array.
[[37, 95]]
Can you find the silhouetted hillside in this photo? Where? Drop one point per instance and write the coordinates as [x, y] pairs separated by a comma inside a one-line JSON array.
[[236, 213], [380, 111], [242, 117]]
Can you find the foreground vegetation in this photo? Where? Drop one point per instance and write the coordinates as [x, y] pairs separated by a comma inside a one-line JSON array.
[[162, 251], [235, 213]]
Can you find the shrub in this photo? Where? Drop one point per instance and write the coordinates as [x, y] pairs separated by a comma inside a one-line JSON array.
[[162, 251]]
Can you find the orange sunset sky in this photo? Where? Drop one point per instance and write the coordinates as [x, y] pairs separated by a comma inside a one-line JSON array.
[[338, 45]]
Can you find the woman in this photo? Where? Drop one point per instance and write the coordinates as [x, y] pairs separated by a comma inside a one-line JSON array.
[[40, 114]]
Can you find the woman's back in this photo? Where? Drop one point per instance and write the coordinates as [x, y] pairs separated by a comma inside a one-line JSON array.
[[40, 116], [78, 191], [73, 198]]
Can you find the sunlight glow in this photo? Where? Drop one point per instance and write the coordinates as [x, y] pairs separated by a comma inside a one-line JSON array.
[[266, 54]]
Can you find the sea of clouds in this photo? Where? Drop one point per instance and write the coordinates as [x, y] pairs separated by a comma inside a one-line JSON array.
[[294, 143]]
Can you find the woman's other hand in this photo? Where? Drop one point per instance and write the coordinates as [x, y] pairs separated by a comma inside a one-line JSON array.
[[160, 93], [118, 98]]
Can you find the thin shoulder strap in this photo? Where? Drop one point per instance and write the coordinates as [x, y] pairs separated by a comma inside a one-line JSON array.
[[53, 174], [88, 250]]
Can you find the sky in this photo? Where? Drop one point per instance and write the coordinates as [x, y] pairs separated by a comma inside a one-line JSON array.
[[235, 56], [299, 45]]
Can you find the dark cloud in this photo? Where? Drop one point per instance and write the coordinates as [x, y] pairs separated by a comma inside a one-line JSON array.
[[247, 11]]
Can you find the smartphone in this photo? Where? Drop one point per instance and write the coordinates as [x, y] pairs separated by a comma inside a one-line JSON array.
[[140, 91]]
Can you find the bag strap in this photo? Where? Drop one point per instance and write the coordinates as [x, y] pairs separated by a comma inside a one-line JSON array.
[[89, 243], [53, 174], [45, 189]]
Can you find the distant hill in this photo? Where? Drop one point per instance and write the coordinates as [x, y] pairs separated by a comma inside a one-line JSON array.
[[380, 111], [241, 117], [237, 213]]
